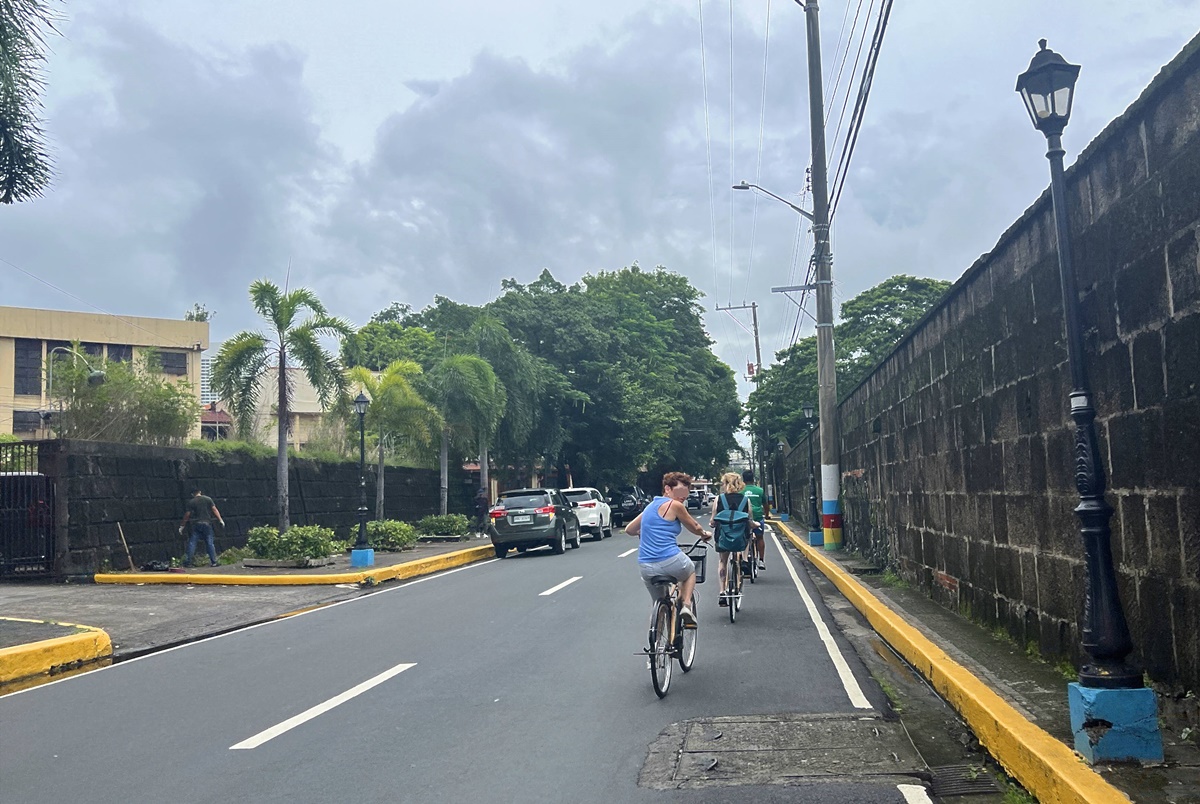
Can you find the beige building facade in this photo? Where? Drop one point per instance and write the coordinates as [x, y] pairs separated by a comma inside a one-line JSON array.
[[28, 337]]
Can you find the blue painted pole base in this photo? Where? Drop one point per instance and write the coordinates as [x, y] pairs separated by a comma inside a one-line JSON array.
[[816, 538], [362, 558], [1115, 725]]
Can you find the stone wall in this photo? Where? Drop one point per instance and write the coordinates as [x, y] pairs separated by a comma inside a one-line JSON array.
[[957, 451], [99, 485]]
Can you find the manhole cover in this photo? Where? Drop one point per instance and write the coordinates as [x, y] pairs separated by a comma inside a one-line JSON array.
[[779, 749]]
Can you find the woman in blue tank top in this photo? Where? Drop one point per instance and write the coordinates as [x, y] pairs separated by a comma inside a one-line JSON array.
[[658, 527]]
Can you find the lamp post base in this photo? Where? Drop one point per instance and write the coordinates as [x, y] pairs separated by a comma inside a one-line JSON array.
[[1115, 725], [364, 557]]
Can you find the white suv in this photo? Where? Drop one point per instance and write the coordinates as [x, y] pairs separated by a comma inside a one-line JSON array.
[[595, 515]]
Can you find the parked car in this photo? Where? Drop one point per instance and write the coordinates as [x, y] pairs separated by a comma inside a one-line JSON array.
[[626, 503], [525, 518], [595, 515], [693, 500]]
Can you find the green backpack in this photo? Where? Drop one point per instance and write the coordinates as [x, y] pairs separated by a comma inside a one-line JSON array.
[[732, 525]]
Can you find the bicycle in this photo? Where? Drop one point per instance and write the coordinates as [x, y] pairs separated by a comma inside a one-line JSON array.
[[734, 572], [669, 639]]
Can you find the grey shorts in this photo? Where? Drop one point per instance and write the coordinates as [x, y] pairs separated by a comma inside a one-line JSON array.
[[678, 566]]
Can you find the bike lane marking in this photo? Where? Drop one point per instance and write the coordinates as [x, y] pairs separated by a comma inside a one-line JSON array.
[[319, 709], [914, 794], [562, 585], [857, 697], [628, 552]]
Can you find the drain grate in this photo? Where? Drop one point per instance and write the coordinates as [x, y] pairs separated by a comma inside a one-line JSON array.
[[962, 780]]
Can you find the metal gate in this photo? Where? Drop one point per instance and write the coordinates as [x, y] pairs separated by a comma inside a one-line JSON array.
[[26, 514]]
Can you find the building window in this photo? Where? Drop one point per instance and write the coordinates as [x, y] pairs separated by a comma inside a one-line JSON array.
[[26, 421], [27, 371], [92, 349], [174, 362], [120, 352]]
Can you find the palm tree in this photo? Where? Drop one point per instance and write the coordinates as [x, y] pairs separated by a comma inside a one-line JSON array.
[[396, 411], [241, 366], [24, 163], [522, 382], [471, 400]]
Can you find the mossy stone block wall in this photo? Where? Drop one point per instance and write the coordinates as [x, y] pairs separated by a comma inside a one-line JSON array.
[[99, 485], [957, 451]]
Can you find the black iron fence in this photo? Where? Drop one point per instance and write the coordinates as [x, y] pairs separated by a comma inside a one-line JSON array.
[[26, 514]]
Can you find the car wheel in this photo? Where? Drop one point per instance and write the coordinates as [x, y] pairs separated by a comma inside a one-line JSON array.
[[578, 538], [559, 545], [521, 549], [599, 534], [501, 550]]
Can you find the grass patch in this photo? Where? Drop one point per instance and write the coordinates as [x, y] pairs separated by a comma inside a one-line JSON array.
[[891, 578], [1015, 794]]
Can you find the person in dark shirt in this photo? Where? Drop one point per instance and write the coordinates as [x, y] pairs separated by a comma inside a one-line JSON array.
[[200, 510]]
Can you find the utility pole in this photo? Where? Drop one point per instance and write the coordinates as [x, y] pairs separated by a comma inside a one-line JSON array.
[[831, 506], [757, 462]]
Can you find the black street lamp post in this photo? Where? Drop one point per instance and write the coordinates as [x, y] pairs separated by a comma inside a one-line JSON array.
[[1047, 88], [814, 518], [360, 407]]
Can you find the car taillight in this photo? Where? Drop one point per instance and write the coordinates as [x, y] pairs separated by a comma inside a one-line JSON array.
[[587, 505], [498, 513], [549, 509]]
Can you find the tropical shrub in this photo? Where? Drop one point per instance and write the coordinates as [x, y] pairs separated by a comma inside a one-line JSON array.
[[391, 534], [300, 541], [445, 525]]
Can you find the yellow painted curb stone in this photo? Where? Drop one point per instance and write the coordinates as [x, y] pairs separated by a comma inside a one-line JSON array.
[[410, 569], [1044, 766], [52, 655]]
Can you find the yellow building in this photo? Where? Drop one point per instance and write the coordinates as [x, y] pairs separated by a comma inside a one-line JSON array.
[[305, 416], [28, 337]]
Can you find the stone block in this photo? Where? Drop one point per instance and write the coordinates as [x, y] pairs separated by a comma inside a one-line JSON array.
[[1111, 376], [1149, 373], [1130, 545], [1183, 270], [1144, 609], [1115, 725], [1164, 536]]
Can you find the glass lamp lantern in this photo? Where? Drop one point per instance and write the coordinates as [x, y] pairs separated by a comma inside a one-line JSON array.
[[1048, 89]]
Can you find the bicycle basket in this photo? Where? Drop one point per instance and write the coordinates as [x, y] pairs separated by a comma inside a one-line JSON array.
[[699, 559]]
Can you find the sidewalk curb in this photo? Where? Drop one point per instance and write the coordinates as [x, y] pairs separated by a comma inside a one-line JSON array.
[[22, 662], [410, 569], [1046, 767]]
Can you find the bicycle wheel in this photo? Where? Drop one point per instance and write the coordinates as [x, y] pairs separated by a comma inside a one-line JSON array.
[[687, 652], [731, 587], [660, 649]]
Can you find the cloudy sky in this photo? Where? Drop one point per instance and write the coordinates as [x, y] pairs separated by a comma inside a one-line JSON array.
[[389, 151]]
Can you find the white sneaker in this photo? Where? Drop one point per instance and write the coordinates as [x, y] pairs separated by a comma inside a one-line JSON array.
[[689, 619], [762, 565]]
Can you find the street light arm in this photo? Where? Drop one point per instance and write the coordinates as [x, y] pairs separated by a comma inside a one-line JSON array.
[[748, 186]]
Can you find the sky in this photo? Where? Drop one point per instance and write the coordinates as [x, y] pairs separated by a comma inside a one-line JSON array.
[[392, 150]]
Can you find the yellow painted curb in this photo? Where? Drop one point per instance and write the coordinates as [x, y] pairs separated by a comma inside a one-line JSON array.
[[49, 655], [1044, 766], [410, 569]]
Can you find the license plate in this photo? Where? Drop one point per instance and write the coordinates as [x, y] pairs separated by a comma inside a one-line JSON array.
[[516, 520]]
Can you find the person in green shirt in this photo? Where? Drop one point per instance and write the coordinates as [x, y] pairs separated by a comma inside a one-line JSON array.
[[756, 495], [200, 510]]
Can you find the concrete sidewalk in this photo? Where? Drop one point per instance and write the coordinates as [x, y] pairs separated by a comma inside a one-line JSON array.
[[1015, 704]]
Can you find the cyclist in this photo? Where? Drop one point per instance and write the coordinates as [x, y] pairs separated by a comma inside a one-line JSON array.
[[733, 490], [659, 553], [756, 495]]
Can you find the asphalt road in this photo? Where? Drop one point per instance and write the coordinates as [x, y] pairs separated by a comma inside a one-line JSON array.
[[494, 682]]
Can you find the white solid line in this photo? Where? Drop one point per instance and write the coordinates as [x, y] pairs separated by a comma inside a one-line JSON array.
[[319, 709], [562, 585], [849, 682], [628, 552], [914, 794]]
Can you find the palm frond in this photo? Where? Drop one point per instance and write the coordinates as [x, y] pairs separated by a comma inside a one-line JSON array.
[[238, 375]]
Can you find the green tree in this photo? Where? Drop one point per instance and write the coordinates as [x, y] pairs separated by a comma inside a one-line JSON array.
[[199, 313], [874, 321], [241, 367], [380, 343], [135, 404], [24, 162], [397, 413], [471, 401]]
